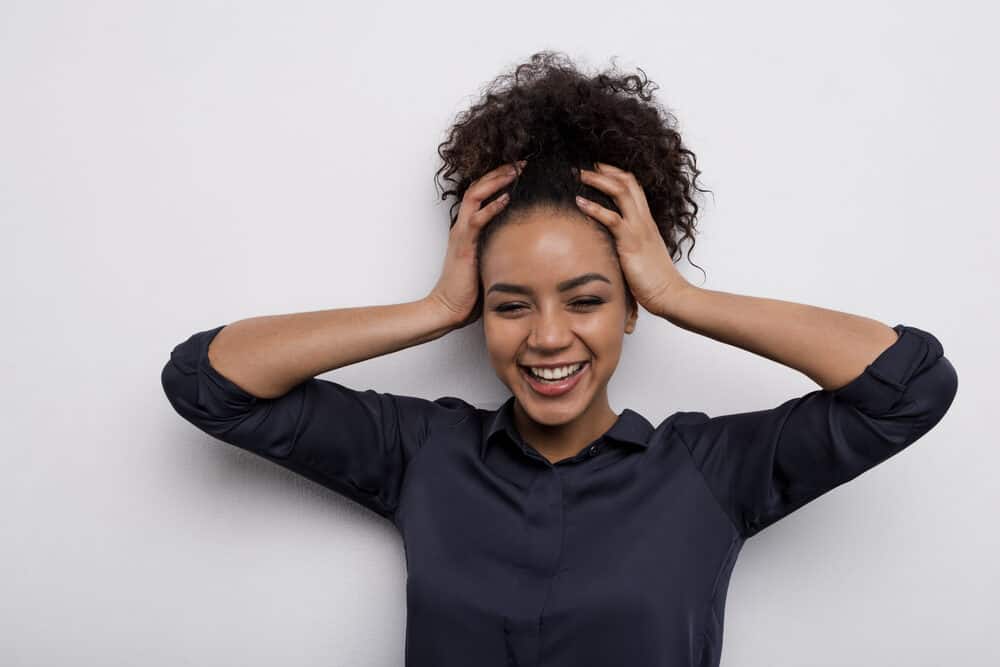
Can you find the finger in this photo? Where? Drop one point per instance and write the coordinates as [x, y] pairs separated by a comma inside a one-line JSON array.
[[626, 177], [472, 208], [616, 187], [468, 227], [472, 215], [483, 187], [488, 212], [621, 185], [611, 185], [610, 168], [503, 171], [607, 217], [465, 234], [486, 185]]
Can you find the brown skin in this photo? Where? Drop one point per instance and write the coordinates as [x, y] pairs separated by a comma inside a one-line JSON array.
[[829, 346], [269, 355], [539, 249]]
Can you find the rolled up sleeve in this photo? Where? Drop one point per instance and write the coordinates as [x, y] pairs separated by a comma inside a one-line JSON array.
[[357, 443], [763, 465]]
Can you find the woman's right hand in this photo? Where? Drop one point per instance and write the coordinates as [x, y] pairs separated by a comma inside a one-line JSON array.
[[457, 289]]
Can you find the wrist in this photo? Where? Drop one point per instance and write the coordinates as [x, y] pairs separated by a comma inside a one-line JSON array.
[[447, 317], [671, 303]]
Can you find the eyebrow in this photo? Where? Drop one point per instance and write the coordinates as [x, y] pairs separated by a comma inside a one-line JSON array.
[[564, 286]]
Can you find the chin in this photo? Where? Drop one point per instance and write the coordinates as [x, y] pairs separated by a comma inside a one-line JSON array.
[[550, 411]]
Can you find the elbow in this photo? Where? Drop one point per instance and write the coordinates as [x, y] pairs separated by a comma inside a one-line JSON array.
[[938, 388], [199, 394], [180, 388]]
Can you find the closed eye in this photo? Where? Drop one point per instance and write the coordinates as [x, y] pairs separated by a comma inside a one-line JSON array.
[[579, 304]]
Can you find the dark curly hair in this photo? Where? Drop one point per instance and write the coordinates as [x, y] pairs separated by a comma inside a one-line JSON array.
[[548, 112]]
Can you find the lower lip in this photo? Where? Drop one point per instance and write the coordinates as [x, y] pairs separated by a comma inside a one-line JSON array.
[[554, 388]]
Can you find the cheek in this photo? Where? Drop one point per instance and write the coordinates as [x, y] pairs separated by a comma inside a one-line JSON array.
[[604, 326], [502, 342]]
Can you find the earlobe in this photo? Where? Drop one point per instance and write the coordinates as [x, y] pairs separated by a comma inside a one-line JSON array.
[[630, 322]]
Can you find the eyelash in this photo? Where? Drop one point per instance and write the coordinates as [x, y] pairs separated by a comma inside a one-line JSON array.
[[583, 303]]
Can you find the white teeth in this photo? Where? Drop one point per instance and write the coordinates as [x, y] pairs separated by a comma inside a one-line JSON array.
[[555, 373]]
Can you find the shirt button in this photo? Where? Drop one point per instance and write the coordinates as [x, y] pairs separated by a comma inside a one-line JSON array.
[[593, 450]]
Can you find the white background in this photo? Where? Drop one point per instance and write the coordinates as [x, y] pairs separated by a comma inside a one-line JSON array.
[[169, 167]]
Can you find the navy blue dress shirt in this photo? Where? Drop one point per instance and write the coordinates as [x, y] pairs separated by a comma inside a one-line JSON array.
[[618, 556]]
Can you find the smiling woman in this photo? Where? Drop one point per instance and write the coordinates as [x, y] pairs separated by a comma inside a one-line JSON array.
[[551, 530], [575, 304], [558, 319]]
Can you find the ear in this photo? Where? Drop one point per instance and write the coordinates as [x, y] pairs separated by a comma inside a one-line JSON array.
[[633, 315]]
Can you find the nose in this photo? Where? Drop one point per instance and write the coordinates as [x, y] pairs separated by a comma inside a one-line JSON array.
[[551, 332]]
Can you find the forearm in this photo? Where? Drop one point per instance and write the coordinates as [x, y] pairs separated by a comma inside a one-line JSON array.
[[830, 347], [269, 355]]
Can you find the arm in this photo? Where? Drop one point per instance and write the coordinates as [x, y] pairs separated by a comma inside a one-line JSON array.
[[357, 443], [252, 383], [269, 355], [830, 347], [877, 400], [882, 388]]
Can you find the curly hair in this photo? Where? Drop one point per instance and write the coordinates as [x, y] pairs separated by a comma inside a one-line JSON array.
[[559, 119]]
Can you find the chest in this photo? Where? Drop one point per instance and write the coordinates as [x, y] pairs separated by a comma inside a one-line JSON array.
[[630, 531]]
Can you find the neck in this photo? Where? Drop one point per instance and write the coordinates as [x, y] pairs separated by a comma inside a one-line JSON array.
[[561, 441]]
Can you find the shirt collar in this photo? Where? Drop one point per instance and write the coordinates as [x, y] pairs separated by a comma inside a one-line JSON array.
[[630, 427]]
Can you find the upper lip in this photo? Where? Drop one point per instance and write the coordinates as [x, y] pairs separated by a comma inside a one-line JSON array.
[[558, 365]]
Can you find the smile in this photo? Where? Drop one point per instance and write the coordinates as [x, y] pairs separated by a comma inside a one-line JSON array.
[[551, 388]]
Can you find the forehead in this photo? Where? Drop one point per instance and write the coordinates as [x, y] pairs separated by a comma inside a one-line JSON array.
[[546, 247]]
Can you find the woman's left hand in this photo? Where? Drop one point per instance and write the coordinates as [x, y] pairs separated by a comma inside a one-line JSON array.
[[645, 259]]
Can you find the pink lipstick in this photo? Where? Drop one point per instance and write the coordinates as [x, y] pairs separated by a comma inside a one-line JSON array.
[[552, 389]]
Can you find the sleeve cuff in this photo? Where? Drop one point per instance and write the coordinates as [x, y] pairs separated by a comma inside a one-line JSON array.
[[884, 381], [191, 357]]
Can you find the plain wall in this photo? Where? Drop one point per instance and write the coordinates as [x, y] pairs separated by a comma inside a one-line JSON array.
[[169, 167]]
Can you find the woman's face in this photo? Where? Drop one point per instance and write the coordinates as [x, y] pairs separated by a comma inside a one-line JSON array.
[[528, 320]]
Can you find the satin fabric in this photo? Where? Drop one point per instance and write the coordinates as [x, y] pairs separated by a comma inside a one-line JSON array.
[[620, 555]]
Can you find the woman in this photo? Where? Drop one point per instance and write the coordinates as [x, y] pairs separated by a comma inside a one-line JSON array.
[[553, 531]]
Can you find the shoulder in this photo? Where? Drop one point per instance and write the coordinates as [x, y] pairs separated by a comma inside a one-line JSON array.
[[452, 410], [687, 423]]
